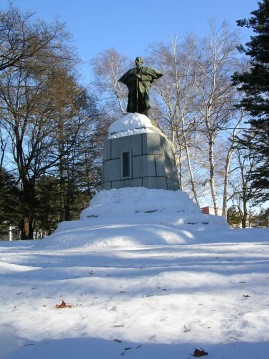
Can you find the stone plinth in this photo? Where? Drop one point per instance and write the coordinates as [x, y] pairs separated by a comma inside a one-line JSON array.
[[140, 160]]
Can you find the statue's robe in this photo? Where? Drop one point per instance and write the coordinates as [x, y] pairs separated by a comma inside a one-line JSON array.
[[138, 95]]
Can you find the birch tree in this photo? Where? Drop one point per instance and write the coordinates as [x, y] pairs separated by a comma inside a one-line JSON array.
[[174, 110], [241, 193], [214, 92], [108, 67]]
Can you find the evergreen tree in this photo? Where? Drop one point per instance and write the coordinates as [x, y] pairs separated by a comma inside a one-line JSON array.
[[9, 203], [234, 217], [255, 86], [262, 218]]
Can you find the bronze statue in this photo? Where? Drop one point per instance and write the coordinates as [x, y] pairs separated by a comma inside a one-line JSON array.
[[139, 80]]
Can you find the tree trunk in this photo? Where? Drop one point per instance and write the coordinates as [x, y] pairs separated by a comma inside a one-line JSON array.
[[212, 175], [225, 184], [190, 172], [27, 231], [28, 208]]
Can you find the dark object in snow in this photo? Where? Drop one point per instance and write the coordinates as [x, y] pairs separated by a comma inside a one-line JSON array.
[[117, 340], [63, 305], [199, 353]]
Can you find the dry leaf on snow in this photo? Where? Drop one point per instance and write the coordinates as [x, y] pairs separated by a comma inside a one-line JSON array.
[[63, 305]]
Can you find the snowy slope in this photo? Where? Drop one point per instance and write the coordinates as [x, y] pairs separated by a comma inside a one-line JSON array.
[[146, 275]]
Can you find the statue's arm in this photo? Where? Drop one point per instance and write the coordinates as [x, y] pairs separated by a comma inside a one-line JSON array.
[[153, 73], [127, 77]]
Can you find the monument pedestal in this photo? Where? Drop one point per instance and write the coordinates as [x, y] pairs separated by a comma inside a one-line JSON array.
[[137, 154]]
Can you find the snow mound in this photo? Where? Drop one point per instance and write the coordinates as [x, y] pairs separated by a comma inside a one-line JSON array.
[[123, 236], [136, 216], [130, 124], [131, 201]]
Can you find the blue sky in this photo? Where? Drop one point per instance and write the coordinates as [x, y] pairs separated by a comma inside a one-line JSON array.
[[130, 26]]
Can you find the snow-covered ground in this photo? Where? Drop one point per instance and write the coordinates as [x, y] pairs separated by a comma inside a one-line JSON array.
[[144, 275]]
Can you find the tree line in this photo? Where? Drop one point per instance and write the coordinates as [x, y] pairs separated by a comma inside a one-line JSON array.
[[212, 103]]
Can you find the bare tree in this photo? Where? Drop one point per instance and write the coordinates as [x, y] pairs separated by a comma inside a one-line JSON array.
[[108, 67], [241, 192], [196, 102], [174, 110], [24, 39], [214, 92], [230, 150], [31, 55], [45, 118]]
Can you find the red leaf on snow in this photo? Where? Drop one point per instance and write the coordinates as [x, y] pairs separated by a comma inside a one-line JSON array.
[[63, 305]]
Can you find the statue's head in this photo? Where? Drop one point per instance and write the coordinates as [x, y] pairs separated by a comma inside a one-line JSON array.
[[138, 61]]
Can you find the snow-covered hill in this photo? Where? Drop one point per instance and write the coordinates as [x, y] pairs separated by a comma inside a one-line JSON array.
[[143, 274]]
